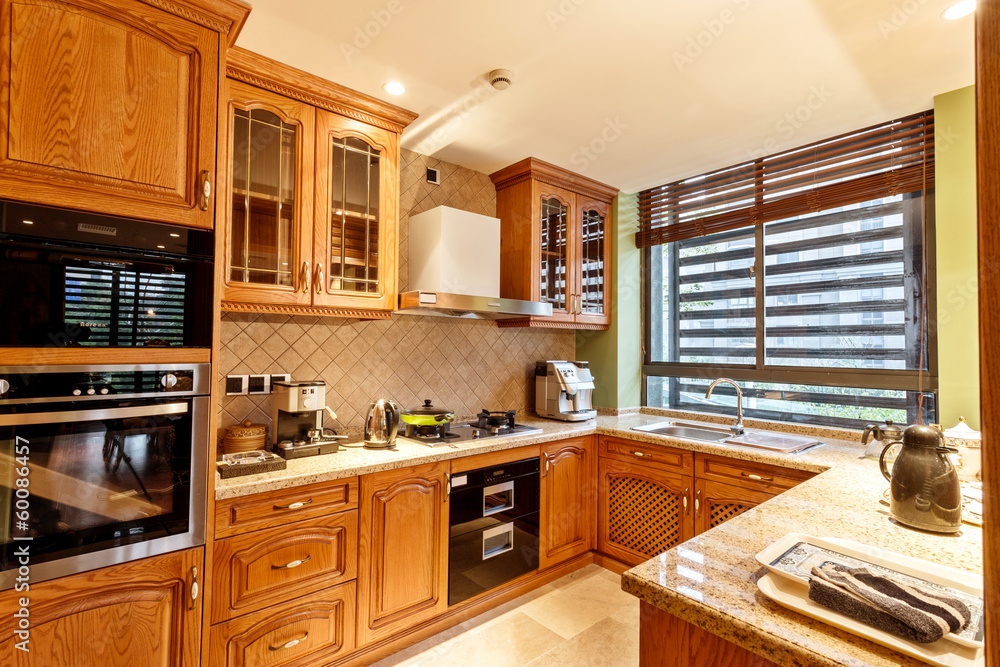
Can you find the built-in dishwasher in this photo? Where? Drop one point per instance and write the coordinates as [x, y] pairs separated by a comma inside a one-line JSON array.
[[493, 527]]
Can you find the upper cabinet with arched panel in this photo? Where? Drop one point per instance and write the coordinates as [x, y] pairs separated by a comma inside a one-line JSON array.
[[555, 245], [312, 209]]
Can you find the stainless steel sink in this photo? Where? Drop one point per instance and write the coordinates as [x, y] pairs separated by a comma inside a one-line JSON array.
[[682, 430]]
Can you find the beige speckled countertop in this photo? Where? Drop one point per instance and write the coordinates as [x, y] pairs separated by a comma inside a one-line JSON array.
[[710, 580]]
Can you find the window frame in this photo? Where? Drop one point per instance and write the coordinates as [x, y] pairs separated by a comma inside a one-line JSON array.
[[923, 381]]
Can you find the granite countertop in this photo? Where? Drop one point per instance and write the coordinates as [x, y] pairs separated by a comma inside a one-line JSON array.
[[710, 580]]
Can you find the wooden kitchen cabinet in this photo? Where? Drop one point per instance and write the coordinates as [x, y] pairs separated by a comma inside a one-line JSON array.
[[568, 500], [402, 549], [554, 243], [111, 106], [311, 631], [312, 194], [716, 503], [146, 612]]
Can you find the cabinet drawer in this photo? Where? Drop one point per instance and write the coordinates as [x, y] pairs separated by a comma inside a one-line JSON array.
[[306, 632], [657, 456], [748, 474], [236, 516], [269, 566]]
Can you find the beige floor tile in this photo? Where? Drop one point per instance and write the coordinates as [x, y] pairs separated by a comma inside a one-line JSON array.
[[628, 615], [607, 643], [571, 610], [579, 575], [514, 642]]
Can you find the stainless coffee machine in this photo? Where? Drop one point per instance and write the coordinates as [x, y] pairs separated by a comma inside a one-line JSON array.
[[297, 420], [563, 390]]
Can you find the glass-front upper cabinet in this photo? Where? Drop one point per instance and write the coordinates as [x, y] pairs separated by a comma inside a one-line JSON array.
[[554, 243], [270, 146], [355, 238]]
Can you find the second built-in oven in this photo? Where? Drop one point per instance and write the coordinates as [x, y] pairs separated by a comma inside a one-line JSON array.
[[100, 465], [493, 527]]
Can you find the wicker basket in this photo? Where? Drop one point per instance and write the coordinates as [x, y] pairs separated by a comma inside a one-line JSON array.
[[244, 437]]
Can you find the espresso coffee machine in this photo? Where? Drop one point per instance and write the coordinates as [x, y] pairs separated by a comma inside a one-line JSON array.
[[297, 420], [563, 390]]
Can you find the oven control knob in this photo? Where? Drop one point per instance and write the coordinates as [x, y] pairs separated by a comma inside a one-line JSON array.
[[77, 392], [104, 390], [91, 391], [169, 381], [4, 386]]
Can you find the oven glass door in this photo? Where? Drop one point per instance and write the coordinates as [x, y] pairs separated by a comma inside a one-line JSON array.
[[90, 485]]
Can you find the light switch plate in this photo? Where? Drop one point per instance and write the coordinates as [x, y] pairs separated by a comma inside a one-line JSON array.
[[280, 377], [237, 384], [259, 384]]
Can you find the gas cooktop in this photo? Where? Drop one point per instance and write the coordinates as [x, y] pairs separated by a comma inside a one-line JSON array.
[[460, 434]]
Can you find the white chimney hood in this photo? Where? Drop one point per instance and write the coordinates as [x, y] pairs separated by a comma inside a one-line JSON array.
[[454, 268]]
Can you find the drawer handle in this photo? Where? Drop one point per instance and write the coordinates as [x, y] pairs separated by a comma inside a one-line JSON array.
[[289, 644], [295, 505], [643, 454], [292, 564], [757, 478]]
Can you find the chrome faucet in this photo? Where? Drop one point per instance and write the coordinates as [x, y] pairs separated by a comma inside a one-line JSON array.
[[737, 428]]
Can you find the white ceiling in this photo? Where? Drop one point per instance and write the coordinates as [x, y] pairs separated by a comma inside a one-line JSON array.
[[633, 93]]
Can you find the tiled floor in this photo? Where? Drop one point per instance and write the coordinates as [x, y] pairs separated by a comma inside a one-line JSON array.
[[582, 619]]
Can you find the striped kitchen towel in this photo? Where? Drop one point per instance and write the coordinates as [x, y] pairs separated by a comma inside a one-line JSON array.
[[917, 613]]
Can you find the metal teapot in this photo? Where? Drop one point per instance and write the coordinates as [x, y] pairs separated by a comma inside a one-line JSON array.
[[382, 424], [924, 488], [882, 436]]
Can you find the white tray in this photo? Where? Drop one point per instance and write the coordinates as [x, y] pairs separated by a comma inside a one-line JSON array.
[[790, 593], [957, 580]]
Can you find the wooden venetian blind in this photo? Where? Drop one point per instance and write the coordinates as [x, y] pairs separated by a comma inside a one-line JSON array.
[[884, 160]]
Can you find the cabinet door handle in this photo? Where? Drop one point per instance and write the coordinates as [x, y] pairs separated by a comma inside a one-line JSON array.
[[579, 304], [194, 587], [697, 503], [687, 510], [294, 506], [206, 190], [289, 644], [292, 564], [306, 277], [545, 472], [757, 478], [319, 278], [447, 486]]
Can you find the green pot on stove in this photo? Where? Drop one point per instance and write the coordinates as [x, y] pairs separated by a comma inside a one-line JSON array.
[[427, 415]]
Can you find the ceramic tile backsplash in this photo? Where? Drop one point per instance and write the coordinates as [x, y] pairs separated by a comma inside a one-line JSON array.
[[464, 365]]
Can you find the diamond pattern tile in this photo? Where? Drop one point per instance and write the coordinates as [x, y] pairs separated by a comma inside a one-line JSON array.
[[464, 365]]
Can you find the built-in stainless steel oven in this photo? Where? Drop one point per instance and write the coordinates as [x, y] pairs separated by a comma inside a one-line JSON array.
[[494, 527], [100, 465]]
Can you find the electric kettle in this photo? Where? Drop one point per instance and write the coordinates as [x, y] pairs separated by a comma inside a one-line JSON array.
[[882, 436], [924, 491], [382, 424]]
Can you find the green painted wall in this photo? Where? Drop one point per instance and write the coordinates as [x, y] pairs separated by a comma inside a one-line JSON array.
[[615, 355], [957, 278]]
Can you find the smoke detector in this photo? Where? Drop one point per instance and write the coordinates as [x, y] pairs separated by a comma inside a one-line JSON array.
[[501, 78]]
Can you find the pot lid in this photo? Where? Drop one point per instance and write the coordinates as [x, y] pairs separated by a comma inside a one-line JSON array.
[[427, 409], [890, 429], [962, 431], [246, 430], [921, 435]]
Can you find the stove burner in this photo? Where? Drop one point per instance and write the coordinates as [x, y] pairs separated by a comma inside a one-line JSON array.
[[435, 432], [496, 422]]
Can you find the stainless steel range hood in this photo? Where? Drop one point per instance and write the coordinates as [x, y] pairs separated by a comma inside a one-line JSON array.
[[454, 269], [443, 304]]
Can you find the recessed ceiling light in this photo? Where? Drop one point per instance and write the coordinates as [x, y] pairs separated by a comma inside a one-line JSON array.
[[394, 88], [959, 10]]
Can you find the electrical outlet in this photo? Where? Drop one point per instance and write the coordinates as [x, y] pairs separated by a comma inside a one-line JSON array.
[[280, 377], [259, 384], [237, 384]]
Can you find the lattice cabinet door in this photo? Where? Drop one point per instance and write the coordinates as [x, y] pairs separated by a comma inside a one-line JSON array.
[[716, 503], [643, 511]]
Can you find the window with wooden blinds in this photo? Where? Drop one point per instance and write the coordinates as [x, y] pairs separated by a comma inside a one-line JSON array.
[[885, 160]]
